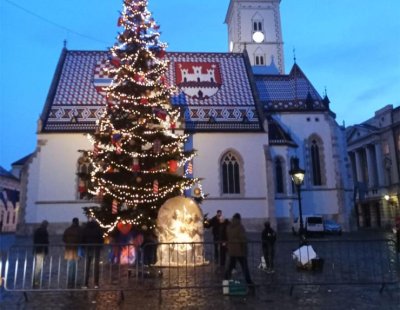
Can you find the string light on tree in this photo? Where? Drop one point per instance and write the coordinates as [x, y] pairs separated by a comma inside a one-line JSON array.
[[136, 148]]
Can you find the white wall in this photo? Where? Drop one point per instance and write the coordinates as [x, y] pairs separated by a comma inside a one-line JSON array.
[[52, 180], [211, 146]]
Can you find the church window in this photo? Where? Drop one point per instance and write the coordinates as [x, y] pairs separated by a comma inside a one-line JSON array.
[[259, 60], [279, 176], [83, 177], [230, 172], [317, 161], [257, 25]]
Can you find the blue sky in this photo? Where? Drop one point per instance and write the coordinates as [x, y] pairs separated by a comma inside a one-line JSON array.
[[350, 47]]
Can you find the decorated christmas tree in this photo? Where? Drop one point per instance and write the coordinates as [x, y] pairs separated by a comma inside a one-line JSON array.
[[138, 159]]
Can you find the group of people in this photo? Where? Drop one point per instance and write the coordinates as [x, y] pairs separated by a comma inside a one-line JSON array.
[[230, 238], [88, 239]]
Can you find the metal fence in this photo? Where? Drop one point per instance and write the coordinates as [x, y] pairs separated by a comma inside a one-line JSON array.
[[123, 267]]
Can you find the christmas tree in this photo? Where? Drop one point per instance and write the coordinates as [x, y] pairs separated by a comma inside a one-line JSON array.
[[138, 159]]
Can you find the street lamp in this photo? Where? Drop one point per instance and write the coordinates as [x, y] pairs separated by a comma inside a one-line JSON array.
[[297, 175]]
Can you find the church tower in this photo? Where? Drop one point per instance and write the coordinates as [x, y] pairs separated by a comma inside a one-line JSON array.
[[255, 25]]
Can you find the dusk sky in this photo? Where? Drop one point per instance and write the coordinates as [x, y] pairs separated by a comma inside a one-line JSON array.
[[350, 47]]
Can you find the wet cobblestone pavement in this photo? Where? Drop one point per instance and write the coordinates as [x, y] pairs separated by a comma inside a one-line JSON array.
[[267, 295], [305, 297]]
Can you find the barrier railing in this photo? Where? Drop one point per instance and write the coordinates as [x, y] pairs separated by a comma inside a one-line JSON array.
[[171, 266]]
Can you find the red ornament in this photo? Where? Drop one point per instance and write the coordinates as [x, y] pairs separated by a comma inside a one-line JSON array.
[[120, 20], [172, 166], [124, 228], [144, 100]]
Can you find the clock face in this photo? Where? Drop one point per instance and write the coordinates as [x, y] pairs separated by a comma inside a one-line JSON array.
[[258, 36]]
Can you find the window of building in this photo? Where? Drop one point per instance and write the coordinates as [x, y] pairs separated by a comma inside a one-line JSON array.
[[259, 60], [317, 160], [279, 176], [230, 172], [316, 166], [257, 25]]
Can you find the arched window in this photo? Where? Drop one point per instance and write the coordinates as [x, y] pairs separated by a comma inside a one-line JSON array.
[[83, 177], [257, 25], [279, 176], [230, 172], [317, 161], [259, 61]]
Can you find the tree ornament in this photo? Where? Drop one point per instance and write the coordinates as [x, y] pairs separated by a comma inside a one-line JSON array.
[[190, 167], [172, 166], [114, 207], [135, 165], [197, 192], [157, 146], [124, 228], [155, 186]]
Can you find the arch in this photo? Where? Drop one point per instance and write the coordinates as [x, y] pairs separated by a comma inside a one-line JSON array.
[[259, 57], [317, 160], [231, 173], [257, 23]]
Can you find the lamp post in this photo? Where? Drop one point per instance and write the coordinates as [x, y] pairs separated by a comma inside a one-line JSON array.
[[297, 175]]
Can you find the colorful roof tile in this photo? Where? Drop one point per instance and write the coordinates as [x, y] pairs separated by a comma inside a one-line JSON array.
[[215, 92], [291, 92]]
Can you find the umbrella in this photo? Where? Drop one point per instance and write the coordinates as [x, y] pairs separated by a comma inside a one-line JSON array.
[[304, 254]]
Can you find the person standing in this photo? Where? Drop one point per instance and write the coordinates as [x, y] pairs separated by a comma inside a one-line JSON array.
[[217, 230], [237, 248], [92, 238], [72, 238], [268, 238], [40, 249]]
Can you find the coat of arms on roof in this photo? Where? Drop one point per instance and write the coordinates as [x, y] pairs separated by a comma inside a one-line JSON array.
[[102, 79], [199, 80]]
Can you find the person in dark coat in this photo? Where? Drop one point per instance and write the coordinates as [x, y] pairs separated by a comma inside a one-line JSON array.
[[217, 229], [40, 250], [268, 238], [72, 238], [92, 238], [237, 248]]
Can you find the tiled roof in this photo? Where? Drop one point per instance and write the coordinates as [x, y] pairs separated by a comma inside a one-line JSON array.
[[277, 135], [227, 104], [6, 174], [22, 161], [291, 92]]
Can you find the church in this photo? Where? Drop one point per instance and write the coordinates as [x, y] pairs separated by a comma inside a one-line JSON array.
[[248, 119]]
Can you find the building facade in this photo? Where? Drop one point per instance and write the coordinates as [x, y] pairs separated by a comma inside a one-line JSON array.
[[247, 119], [374, 151]]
